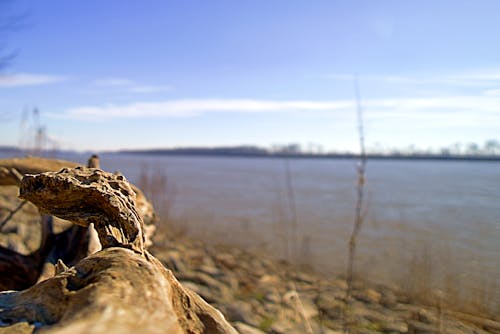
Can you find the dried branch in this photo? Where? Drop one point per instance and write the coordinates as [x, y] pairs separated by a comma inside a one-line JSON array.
[[358, 219], [12, 213]]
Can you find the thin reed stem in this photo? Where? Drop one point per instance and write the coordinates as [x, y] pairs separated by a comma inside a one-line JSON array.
[[358, 218], [293, 240]]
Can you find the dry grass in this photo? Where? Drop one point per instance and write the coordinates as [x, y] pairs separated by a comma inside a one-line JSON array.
[[157, 188], [435, 277]]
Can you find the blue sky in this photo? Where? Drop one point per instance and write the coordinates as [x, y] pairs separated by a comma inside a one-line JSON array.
[[139, 74]]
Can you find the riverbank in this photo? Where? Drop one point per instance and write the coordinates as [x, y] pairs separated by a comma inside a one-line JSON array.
[[260, 295]]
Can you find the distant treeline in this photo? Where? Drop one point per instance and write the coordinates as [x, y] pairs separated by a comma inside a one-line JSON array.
[[9, 149], [253, 151]]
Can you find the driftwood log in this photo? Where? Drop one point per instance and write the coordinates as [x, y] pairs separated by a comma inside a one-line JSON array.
[[120, 289], [70, 245], [10, 169]]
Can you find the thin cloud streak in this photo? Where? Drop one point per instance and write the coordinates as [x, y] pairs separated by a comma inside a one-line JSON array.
[[149, 89], [189, 108], [411, 108], [112, 82], [129, 86], [492, 92], [466, 79], [29, 79]]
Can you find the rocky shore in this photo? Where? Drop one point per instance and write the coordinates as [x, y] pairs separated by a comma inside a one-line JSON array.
[[260, 295]]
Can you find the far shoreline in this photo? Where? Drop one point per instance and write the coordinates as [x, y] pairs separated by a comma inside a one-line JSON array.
[[331, 156], [254, 152]]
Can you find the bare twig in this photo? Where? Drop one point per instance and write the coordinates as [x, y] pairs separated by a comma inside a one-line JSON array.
[[439, 296], [293, 241], [12, 213], [292, 244], [14, 172], [17, 175], [358, 219]]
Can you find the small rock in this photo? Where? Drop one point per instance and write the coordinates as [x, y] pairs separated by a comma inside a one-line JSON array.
[[202, 290], [174, 262], [427, 317], [273, 297], [201, 278], [368, 296], [285, 327], [373, 296], [420, 327], [269, 279], [18, 328], [389, 298], [330, 331], [210, 270], [226, 260], [330, 306], [241, 312], [340, 283], [231, 281], [394, 327], [304, 277], [246, 329]]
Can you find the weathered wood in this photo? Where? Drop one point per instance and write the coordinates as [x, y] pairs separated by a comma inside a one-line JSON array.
[[57, 246], [21, 271], [121, 289], [89, 195], [113, 291], [12, 169], [18, 271]]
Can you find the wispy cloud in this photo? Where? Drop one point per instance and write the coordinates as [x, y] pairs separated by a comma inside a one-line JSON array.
[[492, 92], [467, 107], [149, 88], [191, 107], [129, 86], [113, 82], [29, 79], [470, 78]]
